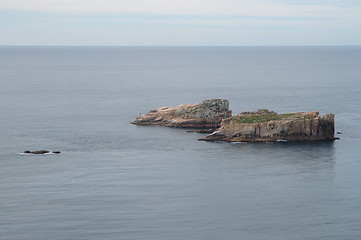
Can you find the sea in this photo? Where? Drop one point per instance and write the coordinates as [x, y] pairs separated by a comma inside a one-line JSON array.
[[113, 180]]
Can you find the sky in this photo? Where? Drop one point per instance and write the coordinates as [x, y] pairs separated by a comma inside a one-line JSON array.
[[180, 22]]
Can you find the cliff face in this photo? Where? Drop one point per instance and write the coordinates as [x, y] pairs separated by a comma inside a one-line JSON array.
[[264, 125], [207, 114]]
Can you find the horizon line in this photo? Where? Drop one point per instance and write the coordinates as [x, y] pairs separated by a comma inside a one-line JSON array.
[[316, 45]]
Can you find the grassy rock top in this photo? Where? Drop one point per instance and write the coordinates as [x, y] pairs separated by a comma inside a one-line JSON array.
[[263, 115]]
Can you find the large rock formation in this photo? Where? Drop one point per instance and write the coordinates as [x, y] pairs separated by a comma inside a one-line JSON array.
[[264, 126], [205, 115]]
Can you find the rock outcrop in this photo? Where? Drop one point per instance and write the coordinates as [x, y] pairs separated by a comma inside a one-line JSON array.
[[205, 115], [41, 152], [265, 126]]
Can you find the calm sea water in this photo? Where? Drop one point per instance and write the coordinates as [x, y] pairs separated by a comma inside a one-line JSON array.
[[114, 180]]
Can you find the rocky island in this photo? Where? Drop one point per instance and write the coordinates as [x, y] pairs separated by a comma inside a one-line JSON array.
[[213, 116], [268, 126], [205, 115]]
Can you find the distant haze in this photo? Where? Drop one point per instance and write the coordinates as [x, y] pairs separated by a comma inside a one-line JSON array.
[[180, 22]]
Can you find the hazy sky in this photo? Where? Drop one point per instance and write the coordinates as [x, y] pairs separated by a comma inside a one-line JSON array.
[[180, 22]]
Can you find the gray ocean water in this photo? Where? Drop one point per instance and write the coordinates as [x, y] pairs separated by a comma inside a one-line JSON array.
[[114, 180]]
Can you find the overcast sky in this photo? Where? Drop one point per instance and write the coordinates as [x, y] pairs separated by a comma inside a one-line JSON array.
[[180, 22]]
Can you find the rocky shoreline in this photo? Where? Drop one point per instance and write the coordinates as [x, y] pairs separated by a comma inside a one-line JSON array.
[[213, 116]]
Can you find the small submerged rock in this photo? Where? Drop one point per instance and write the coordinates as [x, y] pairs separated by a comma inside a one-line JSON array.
[[41, 152]]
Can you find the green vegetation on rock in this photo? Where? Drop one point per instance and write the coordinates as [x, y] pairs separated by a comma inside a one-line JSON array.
[[260, 118]]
